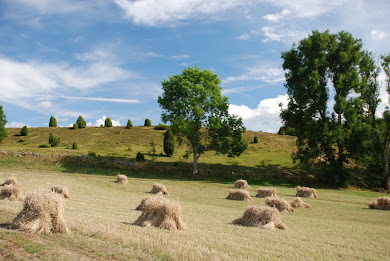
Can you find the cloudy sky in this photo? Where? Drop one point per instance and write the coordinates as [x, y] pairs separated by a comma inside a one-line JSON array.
[[107, 58]]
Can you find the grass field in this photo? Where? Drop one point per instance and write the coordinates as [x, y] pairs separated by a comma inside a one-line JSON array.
[[339, 226]]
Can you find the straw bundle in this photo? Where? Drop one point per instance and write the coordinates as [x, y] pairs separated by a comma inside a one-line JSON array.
[[306, 192], [121, 179], [159, 189], [239, 195], [279, 203], [382, 203], [62, 190], [260, 216], [266, 192], [298, 203], [10, 192], [241, 183]]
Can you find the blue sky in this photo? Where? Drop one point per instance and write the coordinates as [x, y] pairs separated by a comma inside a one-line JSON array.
[[107, 58]]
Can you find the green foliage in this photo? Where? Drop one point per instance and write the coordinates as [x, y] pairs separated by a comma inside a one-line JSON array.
[[148, 123], [161, 127], [53, 122], [74, 145], [24, 131], [44, 145], [169, 143], [53, 140], [153, 150], [81, 122], [107, 122], [75, 126], [129, 124], [140, 157], [192, 101], [256, 139], [3, 122]]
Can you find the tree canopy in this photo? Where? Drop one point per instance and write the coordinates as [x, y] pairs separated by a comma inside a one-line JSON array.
[[193, 105], [3, 122], [52, 122], [81, 122]]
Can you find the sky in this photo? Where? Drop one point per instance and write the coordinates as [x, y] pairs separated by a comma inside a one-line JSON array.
[[107, 58]]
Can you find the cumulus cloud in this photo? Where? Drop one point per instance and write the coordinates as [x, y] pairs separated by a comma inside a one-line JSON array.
[[265, 117], [100, 122], [261, 73], [15, 124], [378, 34], [281, 33], [278, 16]]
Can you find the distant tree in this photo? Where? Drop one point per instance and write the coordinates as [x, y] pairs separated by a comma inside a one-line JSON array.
[[3, 122], [256, 139], [148, 122], [53, 122], [107, 122], [161, 127], [140, 157], [24, 131], [129, 124], [169, 143], [75, 126], [74, 145], [53, 140], [191, 102], [81, 122]]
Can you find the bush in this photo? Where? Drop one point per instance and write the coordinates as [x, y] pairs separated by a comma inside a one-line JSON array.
[[45, 145], [107, 122], [169, 143], [24, 131], [161, 127], [129, 124], [256, 139], [53, 140], [140, 157], [53, 122], [147, 123], [81, 122], [75, 126], [74, 145]]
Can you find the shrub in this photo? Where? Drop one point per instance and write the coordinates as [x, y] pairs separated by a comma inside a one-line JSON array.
[[256, 139], [161, 127], [147, 122], [44, 145], [74, 145], [24, 131], [81, 122], [107, 122], [53, 122], [75, 126], [53, 140], [140, 157], [129, 124], [169, 143]]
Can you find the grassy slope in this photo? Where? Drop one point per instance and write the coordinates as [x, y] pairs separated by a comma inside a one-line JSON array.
[[338, 227]]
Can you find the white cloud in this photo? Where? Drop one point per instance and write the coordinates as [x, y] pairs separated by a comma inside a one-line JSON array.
[[378, 34], [265, 117], [278, 16], [47, 104], [244, 37], [167, 12], [280, 33], [260, 73], [180, 56], [97, 55], [100, 122], [15, 124], [63, 6]]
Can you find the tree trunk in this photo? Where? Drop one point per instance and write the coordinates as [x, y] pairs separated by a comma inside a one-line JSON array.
[[195, 154], [385, 171]]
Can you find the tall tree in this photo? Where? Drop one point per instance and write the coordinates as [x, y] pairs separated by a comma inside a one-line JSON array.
[[3, 122], [193, 105], [81, 122], [169, 143], [53, 122], [385, 63], [108, 122]]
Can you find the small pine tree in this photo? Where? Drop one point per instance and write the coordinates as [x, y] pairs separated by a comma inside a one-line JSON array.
[[169, 143], [74, 145], [53, 122], [81, 122], [53, 140], [140, 157], [148, 122], [3, 122], [24, 131], [256, 139], [129, 124], [107, 122]]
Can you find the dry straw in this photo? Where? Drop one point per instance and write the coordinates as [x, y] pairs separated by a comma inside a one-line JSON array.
[[279, 203], [10, 181], [239, 195], [121, 179], [11, 192], [159, 189], [266, 192], [241, 183], [298, 203], [42, 213], [260, 216], [306, 192], [382, 203], [62, 190], [160, 212], [145, 201]]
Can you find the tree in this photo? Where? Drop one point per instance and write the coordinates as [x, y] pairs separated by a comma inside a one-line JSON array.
[[129, 124], [256, 139], [3, 122], [197, 112], [385, 182], [169, 143], [24, 131], [81, 122], [147, 123], [53, 122], [321, 66], [107, 122], [53, 140]]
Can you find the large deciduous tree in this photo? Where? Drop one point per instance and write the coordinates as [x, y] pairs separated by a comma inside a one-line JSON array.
[[193, 105]]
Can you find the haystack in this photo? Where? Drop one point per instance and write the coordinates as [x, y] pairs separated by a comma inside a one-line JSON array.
[[241, 183], [266, 192], [260, 216], [145, 201], [10, 181], [298, 203], [42, 213], [380, 203], [160, 212], [239, 195], [122, 179], [159, 189], [62, 190], [306, 192], [11, 192], [279, 203]]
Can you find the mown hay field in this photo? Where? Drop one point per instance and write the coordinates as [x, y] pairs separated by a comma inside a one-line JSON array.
[[338, 226]]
